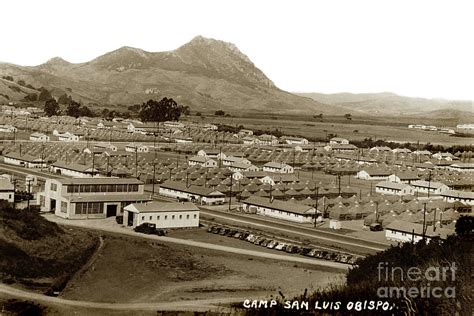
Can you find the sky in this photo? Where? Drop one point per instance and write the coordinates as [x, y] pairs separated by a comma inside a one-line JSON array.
[[412, 48]]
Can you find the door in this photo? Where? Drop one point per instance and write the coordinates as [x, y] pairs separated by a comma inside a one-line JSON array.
[[111, 210], [52, 205], [130, 218]]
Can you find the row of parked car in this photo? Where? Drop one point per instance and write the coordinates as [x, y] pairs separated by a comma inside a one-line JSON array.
[[271, 243]]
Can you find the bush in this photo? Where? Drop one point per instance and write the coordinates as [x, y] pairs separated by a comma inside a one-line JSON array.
[[219, 113]]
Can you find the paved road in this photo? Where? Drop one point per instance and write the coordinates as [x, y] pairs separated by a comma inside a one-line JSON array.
[[193, 305]]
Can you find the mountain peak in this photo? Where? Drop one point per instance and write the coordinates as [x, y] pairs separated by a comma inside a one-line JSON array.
[[57, 61]]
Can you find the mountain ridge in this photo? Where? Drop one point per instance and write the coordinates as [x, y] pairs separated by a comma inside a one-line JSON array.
[[206, 75]]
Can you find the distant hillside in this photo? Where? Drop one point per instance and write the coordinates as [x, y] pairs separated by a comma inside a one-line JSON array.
[[386, 103], [204, 74]]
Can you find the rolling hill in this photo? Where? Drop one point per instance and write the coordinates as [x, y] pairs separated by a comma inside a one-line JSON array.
[[386, 103], [205, 74]]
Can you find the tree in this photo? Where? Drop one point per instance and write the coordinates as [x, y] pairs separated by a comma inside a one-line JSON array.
[[348, 116], [44, 95], [74, 109], [51, 107], [31, 97], [160, 111], [105, 113], [64, 99], [219, 113], [465, 225], [198, 114], [21, 82], [85, 111], [318, 116]]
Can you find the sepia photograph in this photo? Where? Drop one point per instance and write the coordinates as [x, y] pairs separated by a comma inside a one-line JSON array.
[[232, 157]]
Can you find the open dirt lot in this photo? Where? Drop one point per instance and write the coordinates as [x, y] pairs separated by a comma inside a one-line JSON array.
[[133, 270]]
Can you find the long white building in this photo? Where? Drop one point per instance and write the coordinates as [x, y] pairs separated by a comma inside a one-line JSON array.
[[162, 214], [285, 210]]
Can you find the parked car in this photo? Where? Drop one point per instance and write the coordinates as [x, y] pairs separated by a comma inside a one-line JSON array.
[[258, 241], [352, 260], [265, 242], [376, 227], [321, 254], [280, 246], [224, 231], [216, 229], [237, 234], [146, 228], [313, 253], [305, 251], [244, 236], [231, 233], [338, 257], [251, 238], [346, 258], [298, 249], [330, 256], [209, 229], [272, 244], [291, 249]]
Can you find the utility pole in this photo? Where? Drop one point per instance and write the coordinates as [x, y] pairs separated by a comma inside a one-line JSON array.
[[424, 221], [376, 211], [316, 206], [93, 163], [153, 184], [108, 166], [339, 183], [136, 161], [230, 195], [429, 184]]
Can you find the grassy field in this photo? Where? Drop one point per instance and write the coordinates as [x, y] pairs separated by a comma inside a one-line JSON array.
[[133, 270], [386, 128]]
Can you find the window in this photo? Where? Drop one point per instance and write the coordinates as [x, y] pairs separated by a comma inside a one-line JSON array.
[[151, 217], [158, 217], [195, 216], [89, 208], [172, 216], [180, 216], [143, 218], [166, 217], [187, 216], [42, 200], [54, 187]]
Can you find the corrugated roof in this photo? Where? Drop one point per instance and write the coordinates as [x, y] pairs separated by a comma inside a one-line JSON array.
[[154, 207], [193, 189], [392, 185]]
